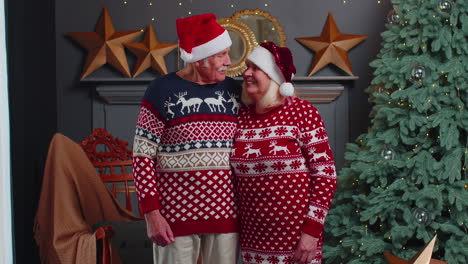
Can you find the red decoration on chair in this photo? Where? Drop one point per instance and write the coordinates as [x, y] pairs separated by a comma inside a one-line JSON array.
[[113, 162], [117, 149]]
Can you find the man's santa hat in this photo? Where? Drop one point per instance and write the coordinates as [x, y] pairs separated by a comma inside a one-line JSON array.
[[276, 62], [201, 36]]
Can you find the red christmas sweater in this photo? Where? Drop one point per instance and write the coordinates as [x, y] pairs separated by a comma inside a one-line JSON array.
[[285, 179], [181, 151]]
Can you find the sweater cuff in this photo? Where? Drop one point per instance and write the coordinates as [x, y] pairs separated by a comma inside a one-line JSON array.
[[312, 228], [150, 204]]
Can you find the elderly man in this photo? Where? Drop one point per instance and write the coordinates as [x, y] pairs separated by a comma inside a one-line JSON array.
[[181, 151]]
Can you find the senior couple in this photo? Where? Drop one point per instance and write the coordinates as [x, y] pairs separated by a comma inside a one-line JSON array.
[[226, 173]]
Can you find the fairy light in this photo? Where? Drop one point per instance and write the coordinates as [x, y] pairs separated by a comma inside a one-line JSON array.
[[152, 19], [150, 3], [125, 2], [232, 6], [180, 3], [266, 4]]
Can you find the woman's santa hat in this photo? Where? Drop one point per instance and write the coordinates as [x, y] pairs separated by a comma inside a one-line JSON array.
[[201, 36], [276, 62]]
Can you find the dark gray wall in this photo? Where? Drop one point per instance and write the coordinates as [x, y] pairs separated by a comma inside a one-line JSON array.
[[301, 19], [33, 110], [47, 96]]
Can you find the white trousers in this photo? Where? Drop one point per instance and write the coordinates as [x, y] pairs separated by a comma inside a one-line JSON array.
[[213, 249]]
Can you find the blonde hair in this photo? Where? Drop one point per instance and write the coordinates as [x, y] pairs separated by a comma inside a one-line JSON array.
[[272, 97]]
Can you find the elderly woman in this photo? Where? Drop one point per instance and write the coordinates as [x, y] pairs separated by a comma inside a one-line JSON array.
[[284, 167]]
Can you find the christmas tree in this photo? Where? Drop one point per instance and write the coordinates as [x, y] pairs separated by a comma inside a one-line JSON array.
[[405, 179]]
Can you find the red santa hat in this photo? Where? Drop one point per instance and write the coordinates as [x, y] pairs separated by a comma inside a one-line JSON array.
[[200, 36], [276, 62]]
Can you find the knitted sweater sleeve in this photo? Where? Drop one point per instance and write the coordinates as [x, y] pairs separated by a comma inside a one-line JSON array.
[[149, 129], [315, 147]]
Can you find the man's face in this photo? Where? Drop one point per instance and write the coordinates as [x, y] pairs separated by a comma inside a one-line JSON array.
[[213, 69]]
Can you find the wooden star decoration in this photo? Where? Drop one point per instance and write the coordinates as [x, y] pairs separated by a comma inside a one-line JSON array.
[[331, 47], [105, 45], [150, 53], [422, 257]]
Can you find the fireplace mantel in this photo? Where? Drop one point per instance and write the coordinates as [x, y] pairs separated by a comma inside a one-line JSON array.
[[315, 89]]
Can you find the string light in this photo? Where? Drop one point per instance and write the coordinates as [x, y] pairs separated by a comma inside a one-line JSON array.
[[150, 3], [232, 5]]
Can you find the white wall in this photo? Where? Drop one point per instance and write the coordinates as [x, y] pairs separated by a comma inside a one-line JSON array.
[[6, 249]]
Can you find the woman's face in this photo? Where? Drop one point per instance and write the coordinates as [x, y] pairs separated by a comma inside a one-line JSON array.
[[256, 81]]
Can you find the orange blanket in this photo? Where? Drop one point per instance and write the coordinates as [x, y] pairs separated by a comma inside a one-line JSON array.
[[73, 198]]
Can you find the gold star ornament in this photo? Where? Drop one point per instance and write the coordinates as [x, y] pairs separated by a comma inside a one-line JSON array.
[[424, 256], [105, 45], [331, 47], [150, 53]]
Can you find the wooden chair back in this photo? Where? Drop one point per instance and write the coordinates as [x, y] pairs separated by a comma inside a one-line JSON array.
[[113, 162]]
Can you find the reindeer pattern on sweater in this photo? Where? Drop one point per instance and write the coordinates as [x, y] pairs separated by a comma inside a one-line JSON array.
[[285, 179]]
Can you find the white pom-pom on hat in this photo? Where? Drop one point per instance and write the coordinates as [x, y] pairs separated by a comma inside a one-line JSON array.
[[286, 89]]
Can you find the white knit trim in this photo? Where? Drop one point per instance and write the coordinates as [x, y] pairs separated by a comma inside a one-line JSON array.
[[265, 61], [207, 49]]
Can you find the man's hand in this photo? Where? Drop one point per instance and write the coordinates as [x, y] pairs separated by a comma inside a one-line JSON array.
[[158, 229], [306, 249]]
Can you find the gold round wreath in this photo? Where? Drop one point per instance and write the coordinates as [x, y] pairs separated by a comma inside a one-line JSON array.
[[248, 39]]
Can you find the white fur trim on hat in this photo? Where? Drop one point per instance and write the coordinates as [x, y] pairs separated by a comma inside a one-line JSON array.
[[207, 49], [265, 61]]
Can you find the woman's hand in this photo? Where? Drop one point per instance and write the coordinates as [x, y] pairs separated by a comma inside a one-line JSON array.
[[306, 249]]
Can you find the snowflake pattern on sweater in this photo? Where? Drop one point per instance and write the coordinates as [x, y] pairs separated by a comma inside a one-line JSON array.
[[285, 180], [181, 151]]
